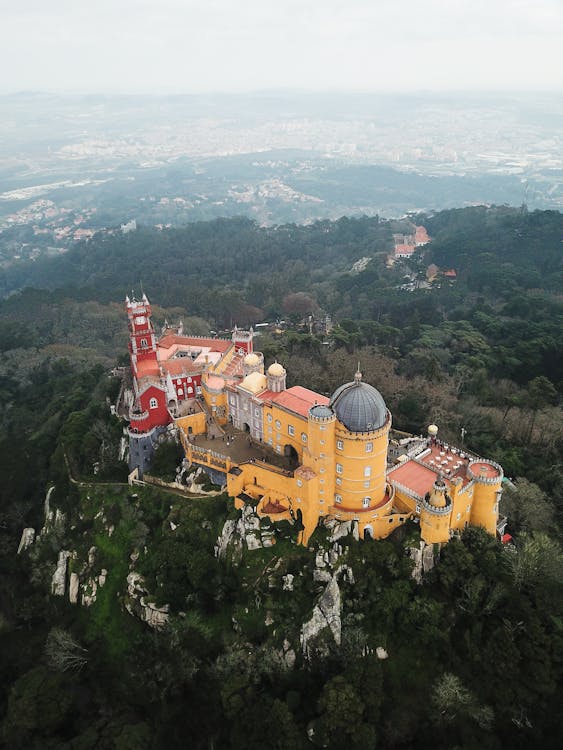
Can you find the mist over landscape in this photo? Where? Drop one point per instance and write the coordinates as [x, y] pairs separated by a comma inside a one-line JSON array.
[[73, 165], [281, 373]]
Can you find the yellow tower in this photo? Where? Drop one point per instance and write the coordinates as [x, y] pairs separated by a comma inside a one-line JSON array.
[[487, 489], [361, 442], [435, 514]]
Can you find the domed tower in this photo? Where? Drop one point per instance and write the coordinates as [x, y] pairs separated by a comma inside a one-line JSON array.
[[361, 442], [276, 378], [253, 362], [487, 489], [435, 514]]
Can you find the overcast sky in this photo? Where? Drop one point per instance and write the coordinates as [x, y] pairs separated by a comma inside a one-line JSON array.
[[222, 45]]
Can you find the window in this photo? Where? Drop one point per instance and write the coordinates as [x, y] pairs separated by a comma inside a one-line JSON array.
[[338, 480], [322, 455], [458, 516], [270, 441], [143, 342], [256, 412], [340, 445], [366, 485], [369, 447], [339, 468], [180, 392], [323, 427], [290, 429], [322, 442], [299, 483], [190, 390], [303, 437], [322, 469], [153, 403], [269, 417], [232, 400], [322, 481], [367, 471], [278, 448], [365, 502], [278, 424], [338, 498]]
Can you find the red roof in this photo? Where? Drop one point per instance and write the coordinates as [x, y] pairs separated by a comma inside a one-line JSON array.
[[216, 345], [421, 235], [405, 249], [180, 366], [506, 538], [147, 367], [415, 476], [298, 399], [451, 274]]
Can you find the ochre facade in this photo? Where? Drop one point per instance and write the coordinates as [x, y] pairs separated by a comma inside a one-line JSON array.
[[300, 456]]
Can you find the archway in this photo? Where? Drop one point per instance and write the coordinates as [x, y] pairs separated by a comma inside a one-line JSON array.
[[291, 454], [246, 427], [368, 532]]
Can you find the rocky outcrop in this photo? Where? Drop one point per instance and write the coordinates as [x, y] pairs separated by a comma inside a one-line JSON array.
[[138, 606], [73, 588], [27, 539], [326, 615], [423, 557], [58, 582]]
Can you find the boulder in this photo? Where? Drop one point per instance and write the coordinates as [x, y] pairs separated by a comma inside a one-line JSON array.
[[27, 539], [58, 582], [288, 582], [73, 587]]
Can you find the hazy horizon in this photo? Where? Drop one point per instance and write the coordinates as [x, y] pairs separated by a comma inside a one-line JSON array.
[[186, 47]]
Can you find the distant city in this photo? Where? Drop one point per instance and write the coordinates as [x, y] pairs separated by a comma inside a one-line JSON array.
[[73, 166]]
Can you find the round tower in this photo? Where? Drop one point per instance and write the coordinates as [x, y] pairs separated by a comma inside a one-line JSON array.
[[487, 489], [435, 514], [276, 378], [361, 443], [253, 362]]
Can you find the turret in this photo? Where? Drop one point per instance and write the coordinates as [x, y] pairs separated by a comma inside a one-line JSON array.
[[253, 362], [435, 514], [243, 340], [361, 442], [487, 489], [276, 378]]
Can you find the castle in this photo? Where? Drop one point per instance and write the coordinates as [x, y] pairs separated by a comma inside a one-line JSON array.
[[294, 454]]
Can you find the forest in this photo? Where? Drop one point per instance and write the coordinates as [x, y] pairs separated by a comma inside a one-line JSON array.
[[474, 651]]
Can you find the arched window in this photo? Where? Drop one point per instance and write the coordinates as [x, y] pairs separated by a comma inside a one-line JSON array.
[[143, 342], [153, 403]]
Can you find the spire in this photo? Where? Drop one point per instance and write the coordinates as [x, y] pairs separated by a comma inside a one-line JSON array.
[[358, 375]]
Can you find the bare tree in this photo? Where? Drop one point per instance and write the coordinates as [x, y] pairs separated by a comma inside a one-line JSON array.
[[63, 652]]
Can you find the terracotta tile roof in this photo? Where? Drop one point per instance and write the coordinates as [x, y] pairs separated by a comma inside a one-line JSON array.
[[179, 366], [299, 400], [216, 345], [404, 249], [415, 476], [147, 367], [421, 235]]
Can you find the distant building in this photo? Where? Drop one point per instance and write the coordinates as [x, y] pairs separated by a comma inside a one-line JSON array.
[[130, 226]]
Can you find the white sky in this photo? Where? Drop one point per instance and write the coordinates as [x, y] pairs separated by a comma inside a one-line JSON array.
[[223, 45]]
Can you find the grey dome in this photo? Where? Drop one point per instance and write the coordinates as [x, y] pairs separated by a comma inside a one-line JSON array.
[[320, 411], [359, 406]]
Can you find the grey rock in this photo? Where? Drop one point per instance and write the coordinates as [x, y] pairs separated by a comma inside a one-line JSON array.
[[73, 588], [58, 582], [27, 539]]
